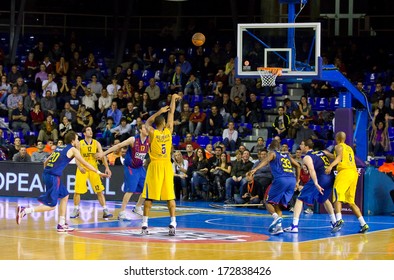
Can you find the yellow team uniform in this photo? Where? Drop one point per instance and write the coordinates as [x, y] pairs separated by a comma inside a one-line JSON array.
[[346, 180], [159, 182], [88, 150]]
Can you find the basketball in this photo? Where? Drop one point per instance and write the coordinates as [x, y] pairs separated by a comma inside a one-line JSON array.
[[198, 39]]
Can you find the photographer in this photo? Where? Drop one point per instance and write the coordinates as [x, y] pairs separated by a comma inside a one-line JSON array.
[[251, 192]]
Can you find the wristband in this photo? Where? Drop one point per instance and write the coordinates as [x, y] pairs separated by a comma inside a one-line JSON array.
[[98, 172]]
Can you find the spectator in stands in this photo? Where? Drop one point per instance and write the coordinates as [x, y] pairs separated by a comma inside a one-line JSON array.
[[390, 111], [55, 53], [40, 155], [70, 113], [196, 121], [260, 145], [180, 166], [254, 110], [31, 67], [214, 125], [182, 125], [107, 137], [91, 67], [49, 86], [131, 113], [22, 155], [65, 126], [303, 132], [31, 100], [239, 89], [48, 104], [199, 183], [378, 94], [382, 111], [146, 107], [115, 154], [89, 100], [115, 113], [40, 51], [289, 106], [37, 117], [238, 177], [149, 58], [360, 87], [40, 76], [238, 110], [218, 92], [14, 147], [118, 74], [76, 66], [186, 66], [193, 85], [188, 140], [153, 91], [80, 86], [178, 80], [379, 140], [84, 119], [113, 87], [251, 192], [49, 68], [104, 103], [73, 100], [122, 131], [220, 172], [305, 108], [64, 91], [13, 75], [230, 137], [169, 68], [388, 94], [20, 119], [5, 89], [207, 74], [281, 123], [13, 99], [95, 86], [62, 66], [22, 87], [49, 130], [220, 76]]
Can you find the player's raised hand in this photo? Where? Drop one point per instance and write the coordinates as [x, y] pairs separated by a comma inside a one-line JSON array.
[[164, 109], [99, 155]]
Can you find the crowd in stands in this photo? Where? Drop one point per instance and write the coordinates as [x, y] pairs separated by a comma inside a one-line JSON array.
[[62, 87]]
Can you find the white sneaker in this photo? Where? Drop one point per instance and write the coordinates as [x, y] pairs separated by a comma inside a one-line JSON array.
[[74, 213], [275, 223], [277, 230], [138, 211], [308, 211], [123, 217], [292, 228], [64, 228]]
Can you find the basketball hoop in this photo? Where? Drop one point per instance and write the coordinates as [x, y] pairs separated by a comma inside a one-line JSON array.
[[268, 75]]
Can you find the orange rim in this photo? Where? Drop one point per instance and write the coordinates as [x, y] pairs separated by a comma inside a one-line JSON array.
[[274, 70]]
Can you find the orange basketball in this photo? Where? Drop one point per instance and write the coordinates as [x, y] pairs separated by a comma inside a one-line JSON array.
[[198, 39]]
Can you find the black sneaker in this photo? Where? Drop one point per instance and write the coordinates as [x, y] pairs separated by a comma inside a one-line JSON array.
[[338, 225]]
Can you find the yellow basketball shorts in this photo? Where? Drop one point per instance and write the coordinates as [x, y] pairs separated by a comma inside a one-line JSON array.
[[82, 179], [159, 182], [345, 186]]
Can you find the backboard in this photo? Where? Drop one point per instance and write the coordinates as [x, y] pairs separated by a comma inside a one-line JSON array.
[[295, 47]]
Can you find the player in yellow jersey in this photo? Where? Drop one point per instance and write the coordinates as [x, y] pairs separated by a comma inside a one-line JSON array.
[[88, 148], [345, 182], [159, 182]]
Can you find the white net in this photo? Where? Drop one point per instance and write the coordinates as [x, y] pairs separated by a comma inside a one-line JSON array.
[[267, 78]]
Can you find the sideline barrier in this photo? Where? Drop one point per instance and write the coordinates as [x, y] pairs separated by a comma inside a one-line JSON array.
[[25, 180], [377, 192]]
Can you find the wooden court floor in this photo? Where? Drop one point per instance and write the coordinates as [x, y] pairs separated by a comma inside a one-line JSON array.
[[203, 233]]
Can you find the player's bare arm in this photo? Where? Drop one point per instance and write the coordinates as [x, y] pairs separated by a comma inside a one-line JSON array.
[[73, 152], [339, 152], [170, 116], [129, 141], [297, 167], [271, 156], [104, 160]]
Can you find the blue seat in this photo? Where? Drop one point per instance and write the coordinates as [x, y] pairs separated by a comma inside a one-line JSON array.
[[176, 139], [321, 104], [195, 100], [334, 103], [316, 128], [203, 141], [269, 102], [216, 139], [391, 133], [311, 101]]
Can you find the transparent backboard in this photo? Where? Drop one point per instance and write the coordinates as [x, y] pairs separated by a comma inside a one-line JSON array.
[[295, 47]]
